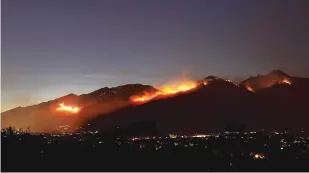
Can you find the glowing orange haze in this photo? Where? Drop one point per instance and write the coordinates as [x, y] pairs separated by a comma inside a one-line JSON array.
[[72, 109], [286, 81], [249, 88], [166, 90]]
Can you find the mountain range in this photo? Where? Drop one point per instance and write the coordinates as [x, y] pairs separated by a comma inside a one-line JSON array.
[[272, 101]]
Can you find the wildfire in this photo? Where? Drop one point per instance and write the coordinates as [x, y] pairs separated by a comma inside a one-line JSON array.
[[165, 91], [179, 88], [146, 96], [286, 81], [71, 109], [249, 88]]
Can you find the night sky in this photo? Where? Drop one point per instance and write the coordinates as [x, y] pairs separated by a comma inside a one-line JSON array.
[[51, 48]]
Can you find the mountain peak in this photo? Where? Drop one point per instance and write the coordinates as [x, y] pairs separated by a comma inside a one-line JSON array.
[[212, 78], [278, 72], [68, 96], [137, 85], [71, 95], [264, 81]]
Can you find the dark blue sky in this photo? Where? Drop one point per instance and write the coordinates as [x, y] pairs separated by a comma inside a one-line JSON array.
[[54, 47]]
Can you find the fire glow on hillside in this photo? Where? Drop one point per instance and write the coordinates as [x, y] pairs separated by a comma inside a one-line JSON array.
[[249, 88], [165, 91], [286, 81], [71, 109]]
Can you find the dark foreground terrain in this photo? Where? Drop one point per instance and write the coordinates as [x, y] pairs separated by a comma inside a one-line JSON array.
[[252, 151]]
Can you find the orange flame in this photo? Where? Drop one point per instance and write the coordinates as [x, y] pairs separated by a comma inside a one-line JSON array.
[[146, 96], [286, 81], [165, 91], [249, 88], [179, 88], [71, 109]]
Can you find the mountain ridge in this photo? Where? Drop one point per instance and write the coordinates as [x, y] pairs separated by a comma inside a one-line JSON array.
[[112, 101]]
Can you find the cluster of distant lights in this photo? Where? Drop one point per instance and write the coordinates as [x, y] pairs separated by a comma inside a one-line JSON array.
[[159, 145], [254, 155]]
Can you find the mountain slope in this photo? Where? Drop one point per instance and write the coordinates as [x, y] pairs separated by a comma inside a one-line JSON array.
[[264, 81], [44, 117], [286, 105], [204, 109], [214, 101], [209, 107]]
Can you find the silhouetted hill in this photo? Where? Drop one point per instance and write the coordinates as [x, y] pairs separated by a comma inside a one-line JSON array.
[[286, 105]]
